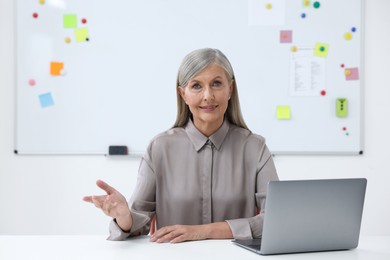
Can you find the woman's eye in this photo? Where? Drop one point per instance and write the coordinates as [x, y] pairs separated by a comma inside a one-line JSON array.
[[217, 83], [196, 86]]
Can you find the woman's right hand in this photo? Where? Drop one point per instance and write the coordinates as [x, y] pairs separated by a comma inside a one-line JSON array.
[[113, 204]]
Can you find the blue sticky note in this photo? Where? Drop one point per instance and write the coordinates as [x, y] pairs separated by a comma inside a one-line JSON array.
[[46, 100]]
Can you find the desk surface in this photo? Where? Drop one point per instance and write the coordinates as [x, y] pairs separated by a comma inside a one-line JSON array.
[[97, 247]]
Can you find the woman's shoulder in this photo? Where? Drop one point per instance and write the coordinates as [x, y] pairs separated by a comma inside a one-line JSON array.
[[169, 135], [243, 133]]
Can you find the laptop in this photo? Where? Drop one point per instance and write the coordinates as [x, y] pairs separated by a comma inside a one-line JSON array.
[[310, 216]]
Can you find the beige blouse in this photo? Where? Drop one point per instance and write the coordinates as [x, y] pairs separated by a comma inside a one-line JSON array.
[[187, 178]]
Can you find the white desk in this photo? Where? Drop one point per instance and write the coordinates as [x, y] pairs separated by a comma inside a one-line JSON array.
[[97, 247]]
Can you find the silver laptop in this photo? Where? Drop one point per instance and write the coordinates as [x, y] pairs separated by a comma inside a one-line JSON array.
[[310, 215]]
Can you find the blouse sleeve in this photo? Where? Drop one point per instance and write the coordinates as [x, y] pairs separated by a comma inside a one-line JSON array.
[[248, 228], [142, 203]]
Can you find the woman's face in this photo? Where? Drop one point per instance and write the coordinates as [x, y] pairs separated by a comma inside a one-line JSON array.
[[207, 95]]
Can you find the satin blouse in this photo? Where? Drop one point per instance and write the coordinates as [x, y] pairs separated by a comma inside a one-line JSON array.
[[187, 178]]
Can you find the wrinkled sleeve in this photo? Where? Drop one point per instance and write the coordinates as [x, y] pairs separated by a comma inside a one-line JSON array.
[[248, 228], [142, 203]]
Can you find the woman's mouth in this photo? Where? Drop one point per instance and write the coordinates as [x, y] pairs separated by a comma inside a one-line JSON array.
[[208, 108]]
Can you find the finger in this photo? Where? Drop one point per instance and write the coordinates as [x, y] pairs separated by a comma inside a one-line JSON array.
[[106, 206], [179, 239], [172, 236], [160, 233], [166, 234], [98, 200], [104, 186], [88, 199]]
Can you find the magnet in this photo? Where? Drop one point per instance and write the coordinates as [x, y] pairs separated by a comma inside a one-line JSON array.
[[348, 36], [31, 82]]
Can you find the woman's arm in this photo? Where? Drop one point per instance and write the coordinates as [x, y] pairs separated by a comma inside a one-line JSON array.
[[181, 233], [113, 204]]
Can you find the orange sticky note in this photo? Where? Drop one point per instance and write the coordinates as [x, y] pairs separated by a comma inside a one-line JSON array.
[[55, 68]]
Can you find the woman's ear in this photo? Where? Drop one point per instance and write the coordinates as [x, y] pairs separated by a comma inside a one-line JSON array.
[[182, 93], [231, 88]]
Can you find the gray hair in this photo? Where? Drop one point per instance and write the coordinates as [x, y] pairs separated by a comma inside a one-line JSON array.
[[192, 64]]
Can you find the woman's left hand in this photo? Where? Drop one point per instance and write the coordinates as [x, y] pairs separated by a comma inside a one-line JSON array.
[[179, 233]]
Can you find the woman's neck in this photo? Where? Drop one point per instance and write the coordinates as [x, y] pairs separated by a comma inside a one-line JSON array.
[[206, 128]]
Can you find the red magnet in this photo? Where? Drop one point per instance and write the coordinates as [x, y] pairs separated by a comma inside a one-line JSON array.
[[31, 82]]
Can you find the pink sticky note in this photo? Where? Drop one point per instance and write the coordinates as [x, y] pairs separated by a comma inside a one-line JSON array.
[[352, 74], [285, 36]]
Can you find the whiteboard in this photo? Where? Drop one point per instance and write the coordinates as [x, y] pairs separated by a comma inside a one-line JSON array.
[[90, 74]]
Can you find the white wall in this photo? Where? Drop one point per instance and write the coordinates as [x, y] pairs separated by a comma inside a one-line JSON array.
[[42, 194]]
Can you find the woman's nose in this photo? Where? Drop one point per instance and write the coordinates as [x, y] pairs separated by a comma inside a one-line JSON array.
[[208, 94]]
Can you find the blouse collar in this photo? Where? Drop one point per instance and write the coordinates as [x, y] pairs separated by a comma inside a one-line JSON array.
[[199, 140]]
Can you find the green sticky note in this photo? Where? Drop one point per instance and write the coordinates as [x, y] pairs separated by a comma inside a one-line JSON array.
[[82, 34], [70, 21], [341, 107], [283, 112], [321, 50]]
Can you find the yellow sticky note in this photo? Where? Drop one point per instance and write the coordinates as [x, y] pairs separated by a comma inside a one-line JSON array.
[[82, 34], [70, 21], [56, 68], [283, 112], [321, 50]]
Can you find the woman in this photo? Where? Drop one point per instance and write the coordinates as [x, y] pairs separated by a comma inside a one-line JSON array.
[[204, 178]]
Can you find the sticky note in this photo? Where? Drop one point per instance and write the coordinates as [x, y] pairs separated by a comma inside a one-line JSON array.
[[285, 36], [306, 3], [283, 112], [82, 34], [46, 100], [341, 107], [351, 74], [56, 68], [70, 21], [321, 50]]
